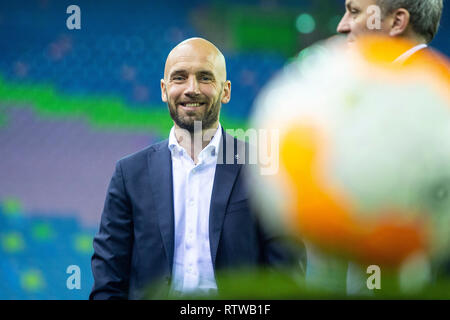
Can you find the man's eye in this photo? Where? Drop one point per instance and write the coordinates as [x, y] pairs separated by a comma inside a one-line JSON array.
[[178, 78], [206, 78]]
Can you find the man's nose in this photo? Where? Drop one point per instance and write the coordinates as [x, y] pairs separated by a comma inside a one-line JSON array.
[[192, 86], [344, 25]]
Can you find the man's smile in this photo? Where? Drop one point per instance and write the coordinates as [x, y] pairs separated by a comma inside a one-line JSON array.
[[191, 106]]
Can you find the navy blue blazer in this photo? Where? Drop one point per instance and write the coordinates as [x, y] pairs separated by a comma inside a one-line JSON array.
[[134, 246]]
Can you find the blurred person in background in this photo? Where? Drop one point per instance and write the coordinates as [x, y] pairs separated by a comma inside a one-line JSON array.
[[414, 20], [174, 211]]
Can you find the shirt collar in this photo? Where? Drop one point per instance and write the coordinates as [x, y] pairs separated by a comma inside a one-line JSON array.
[[409, 53], [213, 145]]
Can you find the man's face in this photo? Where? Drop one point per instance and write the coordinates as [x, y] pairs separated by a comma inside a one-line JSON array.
[[358, 20], [194, 85]]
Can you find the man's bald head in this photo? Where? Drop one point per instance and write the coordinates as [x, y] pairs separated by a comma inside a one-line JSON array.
[[194, 85], [197, 48]]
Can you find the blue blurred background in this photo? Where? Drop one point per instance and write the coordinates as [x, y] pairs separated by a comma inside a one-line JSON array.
[[73, 102]]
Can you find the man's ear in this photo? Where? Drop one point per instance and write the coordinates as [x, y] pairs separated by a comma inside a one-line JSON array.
[[400, 22], [226, 92], [163, 91]]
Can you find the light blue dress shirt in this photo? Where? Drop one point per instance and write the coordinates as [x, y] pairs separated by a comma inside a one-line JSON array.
[[192, 187]]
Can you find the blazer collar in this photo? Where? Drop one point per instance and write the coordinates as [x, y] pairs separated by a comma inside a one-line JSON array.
[[405, 56], [160, 170], [225, 176]]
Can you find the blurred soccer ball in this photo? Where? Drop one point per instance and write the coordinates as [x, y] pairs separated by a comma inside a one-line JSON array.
[[364, 151]]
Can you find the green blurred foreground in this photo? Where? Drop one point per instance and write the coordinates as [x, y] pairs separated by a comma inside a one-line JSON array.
[[290, 285]]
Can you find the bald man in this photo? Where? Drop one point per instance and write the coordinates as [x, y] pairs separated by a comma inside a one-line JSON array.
[[178, 210], [194, 88]]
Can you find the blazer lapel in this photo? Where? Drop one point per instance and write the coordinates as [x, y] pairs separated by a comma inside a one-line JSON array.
[[160, 168], [224, 179]]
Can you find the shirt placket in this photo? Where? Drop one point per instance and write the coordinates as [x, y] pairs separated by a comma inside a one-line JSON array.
[[191, 268]]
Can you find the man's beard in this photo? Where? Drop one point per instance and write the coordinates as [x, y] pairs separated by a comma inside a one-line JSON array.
[[210, 117]]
